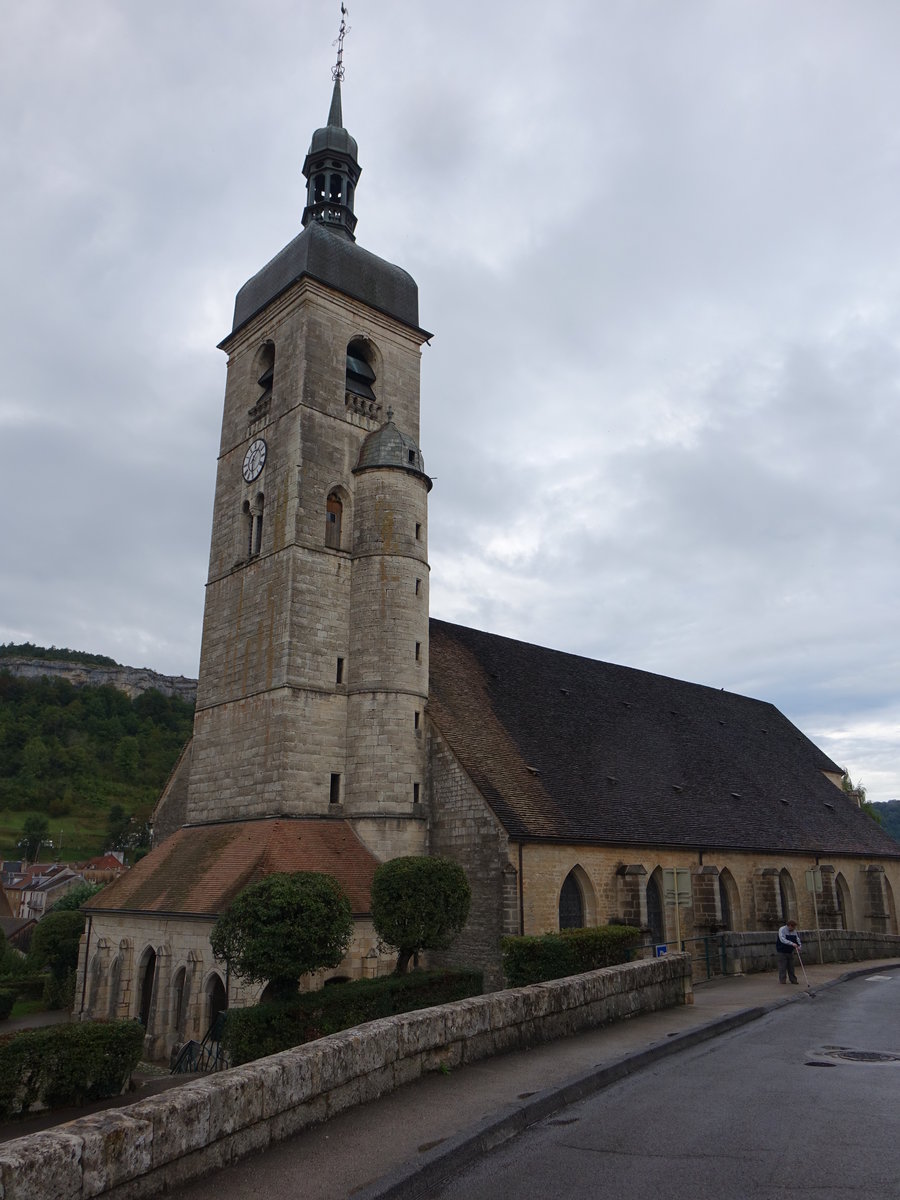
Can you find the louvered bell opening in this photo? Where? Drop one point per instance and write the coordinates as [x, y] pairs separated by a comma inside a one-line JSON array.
[[265, 380], [360, 377]]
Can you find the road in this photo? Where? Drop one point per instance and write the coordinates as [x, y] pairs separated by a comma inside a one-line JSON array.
[[767, 1111]]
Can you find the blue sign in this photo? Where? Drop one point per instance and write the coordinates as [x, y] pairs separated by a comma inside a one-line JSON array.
[[661, 950]]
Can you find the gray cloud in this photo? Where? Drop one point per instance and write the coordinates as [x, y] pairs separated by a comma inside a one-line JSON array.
[[657, 246]]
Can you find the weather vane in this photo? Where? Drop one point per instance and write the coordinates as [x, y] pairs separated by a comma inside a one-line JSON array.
[[337, 71]]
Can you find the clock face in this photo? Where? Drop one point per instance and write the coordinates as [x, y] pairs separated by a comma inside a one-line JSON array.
[[254, 460]]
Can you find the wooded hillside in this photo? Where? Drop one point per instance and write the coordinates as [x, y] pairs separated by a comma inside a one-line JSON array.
[[76, 753], [889, 814]]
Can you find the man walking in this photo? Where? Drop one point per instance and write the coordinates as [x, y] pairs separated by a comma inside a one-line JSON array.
[[788, 942]]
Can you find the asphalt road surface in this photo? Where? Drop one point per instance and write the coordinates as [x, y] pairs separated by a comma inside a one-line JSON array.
[[799, 1103]]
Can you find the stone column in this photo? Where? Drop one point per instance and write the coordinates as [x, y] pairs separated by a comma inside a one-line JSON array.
[[766, 898], [829, 911], [707, 908], [631, 894], [876, 911]]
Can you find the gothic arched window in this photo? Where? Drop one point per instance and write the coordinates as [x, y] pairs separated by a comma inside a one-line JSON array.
[[655, 913], [571, 904]]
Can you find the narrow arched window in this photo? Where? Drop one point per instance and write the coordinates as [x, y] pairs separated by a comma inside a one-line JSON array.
[[266, 367], [335, 189], [571, 904], [655, 918], [179, 1000], [216, 999], [257, 511], [334, 511], [360, 373], [725, 905], [148, 977]]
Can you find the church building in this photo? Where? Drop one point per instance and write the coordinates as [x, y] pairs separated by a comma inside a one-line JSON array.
[[337, 726]]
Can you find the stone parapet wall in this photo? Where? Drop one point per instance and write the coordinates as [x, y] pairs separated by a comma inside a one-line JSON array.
[[749, 952], [147, 1148]]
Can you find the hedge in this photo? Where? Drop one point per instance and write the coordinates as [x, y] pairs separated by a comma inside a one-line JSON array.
[[23, 987], [64, 1065], [26, 987], [268, 1028], [571, 952]]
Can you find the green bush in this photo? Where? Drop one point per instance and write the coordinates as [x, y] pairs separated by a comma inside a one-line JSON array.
[[419, 903], [555, 955], [59, 994], [55, 943], [283, 927], [267, 1028], [64, 1065], [7, 1000], [26, 987]]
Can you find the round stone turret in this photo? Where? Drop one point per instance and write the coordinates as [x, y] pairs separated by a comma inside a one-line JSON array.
[[389, 447]]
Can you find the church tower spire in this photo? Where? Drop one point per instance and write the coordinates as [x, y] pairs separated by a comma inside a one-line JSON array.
[[331, 166]]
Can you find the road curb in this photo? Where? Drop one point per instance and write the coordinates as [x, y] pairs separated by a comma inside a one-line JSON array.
[[414, 1179]]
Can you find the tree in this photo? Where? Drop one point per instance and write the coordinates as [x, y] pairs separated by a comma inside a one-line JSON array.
[[117, 822], [35, 828], [54, 943], [76, 896], [419, 903], [283, 927]]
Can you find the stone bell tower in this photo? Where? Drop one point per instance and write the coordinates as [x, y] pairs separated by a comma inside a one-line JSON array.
[[314, 660]]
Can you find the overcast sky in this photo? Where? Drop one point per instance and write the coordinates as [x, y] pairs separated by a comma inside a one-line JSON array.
[[657, 241]]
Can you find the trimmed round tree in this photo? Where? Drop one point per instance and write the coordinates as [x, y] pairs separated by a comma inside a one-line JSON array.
[[419, 903], [282, 927]]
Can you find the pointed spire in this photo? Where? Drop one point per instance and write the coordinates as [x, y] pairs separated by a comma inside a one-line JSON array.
[[331, 167], [335, 117]]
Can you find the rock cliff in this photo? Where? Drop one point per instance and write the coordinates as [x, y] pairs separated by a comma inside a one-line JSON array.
[[131, 680]]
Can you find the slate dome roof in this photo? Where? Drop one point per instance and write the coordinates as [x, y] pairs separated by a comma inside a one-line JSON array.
[[388, 447], [334, 138]]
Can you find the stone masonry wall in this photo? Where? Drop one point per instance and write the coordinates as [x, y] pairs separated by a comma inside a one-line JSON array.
[[462, 827], [168, 1139], [745, 953]]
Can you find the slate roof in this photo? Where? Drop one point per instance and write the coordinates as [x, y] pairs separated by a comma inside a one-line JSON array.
[[566, 748], [338, 263], [200, 869]]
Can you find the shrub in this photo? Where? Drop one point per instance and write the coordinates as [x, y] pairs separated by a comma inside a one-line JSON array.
[[76, 896], [55, 943], [25, 987], [268, 1028], [7, 1000], [283, 927], [59, 994], [65, 1065], [419, 903], [555, 955]]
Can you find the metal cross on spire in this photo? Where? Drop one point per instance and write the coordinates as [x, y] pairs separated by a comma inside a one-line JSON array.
[[337, 71]]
